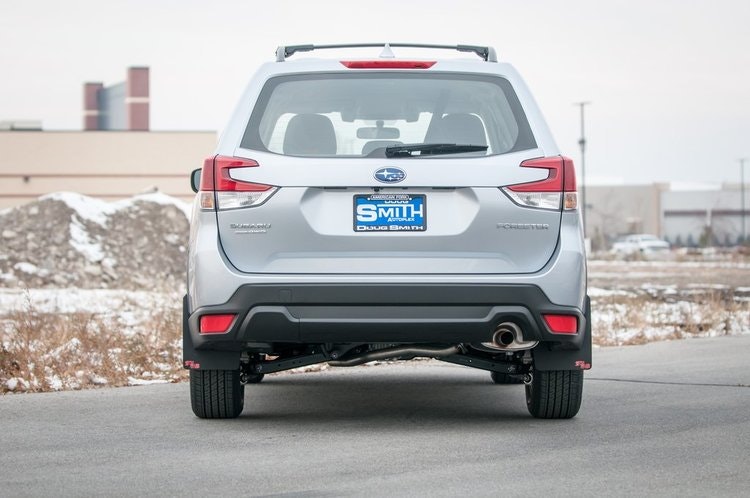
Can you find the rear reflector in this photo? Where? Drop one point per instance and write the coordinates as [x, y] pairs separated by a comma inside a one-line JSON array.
[[562, 324], [388, 64], [215, 324]]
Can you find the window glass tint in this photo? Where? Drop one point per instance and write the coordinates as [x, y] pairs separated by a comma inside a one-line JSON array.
[[360, 114]]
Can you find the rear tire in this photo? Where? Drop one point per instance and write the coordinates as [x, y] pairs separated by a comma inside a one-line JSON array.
[[216, 393], [503, 378], [555, 393]]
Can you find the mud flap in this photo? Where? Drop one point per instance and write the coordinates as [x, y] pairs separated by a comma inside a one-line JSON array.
[[559, 359], [193, 359]]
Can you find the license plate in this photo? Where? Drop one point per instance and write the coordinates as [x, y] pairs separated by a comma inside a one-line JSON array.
[[390, 213]]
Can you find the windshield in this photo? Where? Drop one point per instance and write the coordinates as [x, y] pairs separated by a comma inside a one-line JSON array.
[[357, 114]]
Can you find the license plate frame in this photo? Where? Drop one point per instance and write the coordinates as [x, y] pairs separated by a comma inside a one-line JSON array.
[[391, 212]]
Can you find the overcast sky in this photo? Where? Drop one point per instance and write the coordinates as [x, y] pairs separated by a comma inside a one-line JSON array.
[[669, 81]]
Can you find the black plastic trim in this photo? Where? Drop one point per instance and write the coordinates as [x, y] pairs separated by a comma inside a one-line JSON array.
[[400, 313], [486, 53], [560, 356]]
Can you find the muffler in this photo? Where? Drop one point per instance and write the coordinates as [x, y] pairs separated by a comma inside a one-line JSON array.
[[411, 351], [509, 337]]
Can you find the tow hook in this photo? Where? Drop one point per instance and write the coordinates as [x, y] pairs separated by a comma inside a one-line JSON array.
[[528, 378]]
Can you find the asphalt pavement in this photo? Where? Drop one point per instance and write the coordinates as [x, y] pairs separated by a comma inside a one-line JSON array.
[[664, 419]]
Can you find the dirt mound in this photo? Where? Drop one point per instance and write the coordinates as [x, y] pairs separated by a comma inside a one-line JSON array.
[[70, 240]]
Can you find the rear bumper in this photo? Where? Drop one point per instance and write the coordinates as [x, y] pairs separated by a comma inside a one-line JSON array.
[[392, 313]]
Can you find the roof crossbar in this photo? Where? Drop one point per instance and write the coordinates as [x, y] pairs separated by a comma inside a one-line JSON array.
[[486, 53]]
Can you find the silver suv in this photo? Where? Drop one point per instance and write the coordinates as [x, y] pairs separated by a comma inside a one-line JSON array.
[[387, 208]]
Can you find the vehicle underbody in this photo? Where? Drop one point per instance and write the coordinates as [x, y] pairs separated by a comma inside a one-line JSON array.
[[509, 351]]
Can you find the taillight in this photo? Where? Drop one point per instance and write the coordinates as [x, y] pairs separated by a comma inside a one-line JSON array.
[[217, 183], [562, 324], [560, 185], [388, 64], [215, 324]]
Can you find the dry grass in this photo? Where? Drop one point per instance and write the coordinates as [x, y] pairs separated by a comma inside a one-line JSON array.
[[632, 304], [45, 352], [623, 320]]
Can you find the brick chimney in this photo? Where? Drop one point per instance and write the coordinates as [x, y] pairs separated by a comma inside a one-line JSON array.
[[137, 99], [91, 108]]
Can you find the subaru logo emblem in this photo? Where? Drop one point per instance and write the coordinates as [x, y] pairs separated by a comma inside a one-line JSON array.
[[390, 175]]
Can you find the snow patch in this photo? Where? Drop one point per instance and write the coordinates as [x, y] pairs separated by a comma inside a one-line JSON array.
[[98, 380], [132, 381], [96, 210], [55, 383], [17, 383], [598, 292], [81, 241], [131, 309], [72, 346], [26, 267], [86, 208]]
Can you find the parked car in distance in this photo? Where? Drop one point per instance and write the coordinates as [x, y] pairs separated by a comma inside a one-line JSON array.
[[641, 243]]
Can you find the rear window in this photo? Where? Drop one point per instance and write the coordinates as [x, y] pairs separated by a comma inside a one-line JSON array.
[[358, 115]]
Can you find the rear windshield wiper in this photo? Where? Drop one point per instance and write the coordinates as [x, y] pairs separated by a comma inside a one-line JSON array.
[[408, 150]]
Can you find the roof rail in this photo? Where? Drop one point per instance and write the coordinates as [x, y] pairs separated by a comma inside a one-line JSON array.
[[486, 53]]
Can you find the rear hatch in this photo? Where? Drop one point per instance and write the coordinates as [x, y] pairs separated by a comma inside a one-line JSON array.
[[383, 173]]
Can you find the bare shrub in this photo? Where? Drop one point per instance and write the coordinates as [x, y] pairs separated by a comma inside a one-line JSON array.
[[638, 318], [43, 351]]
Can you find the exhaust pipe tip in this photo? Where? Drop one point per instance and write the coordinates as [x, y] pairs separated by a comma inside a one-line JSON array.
[[504, 338], [509, 337], [506, 334]]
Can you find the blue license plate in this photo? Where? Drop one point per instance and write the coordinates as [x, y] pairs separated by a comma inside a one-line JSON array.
[[390, 213]]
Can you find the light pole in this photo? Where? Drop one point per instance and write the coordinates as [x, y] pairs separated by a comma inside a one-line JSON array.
[[742, 197], [582, 144]]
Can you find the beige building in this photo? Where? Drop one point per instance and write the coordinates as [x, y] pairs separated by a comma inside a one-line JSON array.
[[106, 164], [692, 215], [617, 210]]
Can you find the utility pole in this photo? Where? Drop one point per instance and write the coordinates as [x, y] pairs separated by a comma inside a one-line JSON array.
[[582, 144], [742, 197]]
